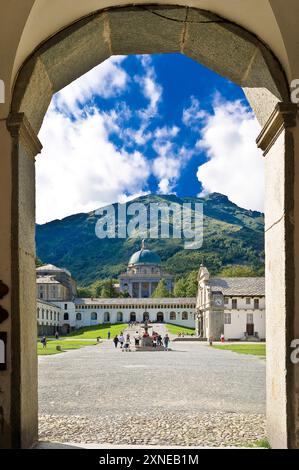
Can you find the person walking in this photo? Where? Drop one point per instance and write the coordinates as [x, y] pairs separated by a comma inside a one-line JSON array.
[[115, 341], [121, 340], [44, 342], [166, 342], [56, 335], [109, 334]]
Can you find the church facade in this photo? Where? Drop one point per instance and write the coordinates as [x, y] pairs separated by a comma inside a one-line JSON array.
[[234, 307], [143, 274]]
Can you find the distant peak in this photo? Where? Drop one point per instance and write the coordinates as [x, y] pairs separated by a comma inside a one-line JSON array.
[[217, 196]]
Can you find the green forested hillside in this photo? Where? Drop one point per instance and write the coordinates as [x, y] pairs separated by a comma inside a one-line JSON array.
[[232, 235]]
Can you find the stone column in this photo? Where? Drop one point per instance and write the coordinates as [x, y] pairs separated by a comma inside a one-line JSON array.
[[18, 394], [277, 140]]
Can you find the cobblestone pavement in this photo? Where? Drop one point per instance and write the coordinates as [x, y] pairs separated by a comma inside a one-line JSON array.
[[193, 395], [170, 429]]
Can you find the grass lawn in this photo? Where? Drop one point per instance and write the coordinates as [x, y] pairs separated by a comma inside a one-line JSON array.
[[175, 329], [256, 349], [65, 345], [262, 443], [93, 332]]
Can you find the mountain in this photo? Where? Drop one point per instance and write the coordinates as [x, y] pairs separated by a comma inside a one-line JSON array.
[[232, 235]]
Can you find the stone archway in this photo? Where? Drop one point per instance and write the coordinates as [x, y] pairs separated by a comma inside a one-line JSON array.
[[225, 48]]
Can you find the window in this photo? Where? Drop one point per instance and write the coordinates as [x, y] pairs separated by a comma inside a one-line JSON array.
[[65, 306], [256, 304], [227, 318], [248, 300], [38, 313], [185, 316], [106, 317], [66, 316], [234, 304], [78, 316], [226, 300], [41, 295], [172, 316], [94, 316], [250, 318], [43, 314]]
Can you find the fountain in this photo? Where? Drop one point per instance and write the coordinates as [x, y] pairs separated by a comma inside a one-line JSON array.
[[146, 343]]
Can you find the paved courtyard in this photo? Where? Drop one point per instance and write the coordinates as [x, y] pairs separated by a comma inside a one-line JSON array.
[[192, 395]]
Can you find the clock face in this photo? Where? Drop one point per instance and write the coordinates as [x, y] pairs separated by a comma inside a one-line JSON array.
[[218, 301]]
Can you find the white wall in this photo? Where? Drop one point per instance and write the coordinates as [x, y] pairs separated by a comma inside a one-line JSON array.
[[86, 315], [239, 320]]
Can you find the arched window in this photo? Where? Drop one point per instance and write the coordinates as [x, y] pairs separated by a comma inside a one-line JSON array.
[[160, 317], [106, 317], [94, 316], [78, 316], [119, 316], [172, 316], [66, 316], [185, 316]]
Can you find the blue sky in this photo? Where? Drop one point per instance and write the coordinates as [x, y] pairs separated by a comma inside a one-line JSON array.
[[161, 123]]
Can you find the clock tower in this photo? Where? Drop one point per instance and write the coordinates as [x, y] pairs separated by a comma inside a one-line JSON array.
[[209, 308]]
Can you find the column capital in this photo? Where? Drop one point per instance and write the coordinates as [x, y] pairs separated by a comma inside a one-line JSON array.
[[283, 116], [20, 128]]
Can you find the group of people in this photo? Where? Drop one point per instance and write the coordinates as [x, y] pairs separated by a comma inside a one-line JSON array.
[[125, 340]]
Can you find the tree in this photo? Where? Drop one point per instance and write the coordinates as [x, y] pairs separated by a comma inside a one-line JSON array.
[[238, 270], [84, 292], [191, 284], [180, 287], [161, 290], [108, 290]]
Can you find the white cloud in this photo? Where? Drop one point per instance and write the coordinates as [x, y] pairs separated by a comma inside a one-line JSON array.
[[80, 170], [166, 132], [194, 114], [106, 80], [167, 166], [150, 89], [235, 165]]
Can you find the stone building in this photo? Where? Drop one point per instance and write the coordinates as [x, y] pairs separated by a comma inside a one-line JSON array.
[[54, 283], [233, 306], [143, 274], [49, 318]]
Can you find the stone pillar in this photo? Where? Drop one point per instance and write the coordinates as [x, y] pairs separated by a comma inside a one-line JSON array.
[[139, 290], [18, 394], [277, 140]]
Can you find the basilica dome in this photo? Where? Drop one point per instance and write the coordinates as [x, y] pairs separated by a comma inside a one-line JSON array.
[[144, 256]]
